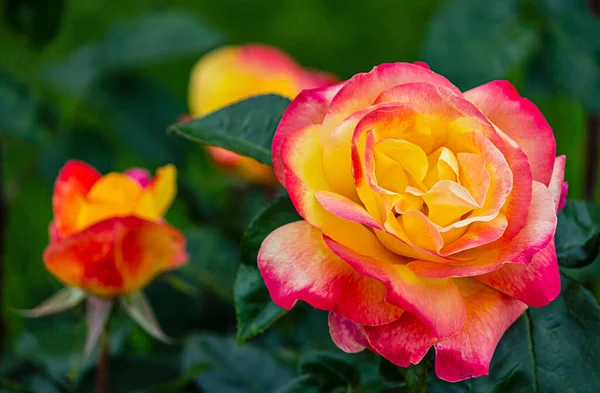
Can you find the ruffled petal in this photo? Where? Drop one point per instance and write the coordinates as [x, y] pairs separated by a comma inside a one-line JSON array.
[[489, 314], [349, 336], [436, 302], [558, 187], [74, 181], [402, 342], [297, 265], [309, 107], [522, 121], [301, 155], [116, 256], [535, 236], [536, 284]]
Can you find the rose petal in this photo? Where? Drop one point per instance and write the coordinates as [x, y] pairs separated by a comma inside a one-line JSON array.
[[436, 302], [309, 107], [349, 336], [536, 284], [402, 342], [521, 120], [74, 181], [297, 265], [489, 314], [558, 187], [116, 256]]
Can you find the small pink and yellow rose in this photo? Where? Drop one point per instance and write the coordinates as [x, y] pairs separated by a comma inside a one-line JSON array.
[[233, 73], [429, 214], [108, 236]]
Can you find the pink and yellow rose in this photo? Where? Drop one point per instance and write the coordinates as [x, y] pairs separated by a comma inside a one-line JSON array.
[[108, 236], [429, 214], [233, 73]]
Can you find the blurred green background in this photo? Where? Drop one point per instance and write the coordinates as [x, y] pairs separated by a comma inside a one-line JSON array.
[[102, 80]]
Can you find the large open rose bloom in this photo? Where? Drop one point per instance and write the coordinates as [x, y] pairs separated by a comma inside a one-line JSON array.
[[233, 73], [108, 236], [429, 214]]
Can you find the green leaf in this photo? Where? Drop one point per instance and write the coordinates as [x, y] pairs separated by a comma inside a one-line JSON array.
[[280, 212], [9, 386], [333, 371], [38, 20], [214, 260], [22, 113], [62, 300], [472, 42], [553, 349], [138, 308], [254, 309], [578, 234], [414, 378], [246, 127], [235, 369], [146, 40]]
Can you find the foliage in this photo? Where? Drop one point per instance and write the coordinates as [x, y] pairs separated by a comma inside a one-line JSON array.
[[103, 82]]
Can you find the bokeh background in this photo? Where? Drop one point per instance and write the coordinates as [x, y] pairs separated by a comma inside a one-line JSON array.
[[101, 80]]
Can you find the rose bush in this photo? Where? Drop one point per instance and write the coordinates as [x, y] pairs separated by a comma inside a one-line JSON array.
[[233, 73], [429, 214], [108, 236]]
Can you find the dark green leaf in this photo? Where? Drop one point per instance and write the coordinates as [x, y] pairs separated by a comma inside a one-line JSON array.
[[554, 349], [413, 377], [472, 42], [278, 213], [22, 113], [255, 311], [333, 371], [214, 260], [246, 127], [244, 369], [149, 39], [38, 20], [578, 234], [9, 386]]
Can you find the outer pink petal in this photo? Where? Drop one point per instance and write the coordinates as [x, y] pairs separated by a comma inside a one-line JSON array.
[[489, 314], [535, 236], [402, 342], [349, 336], [520, 119], [297, 265], [346, 208], [558, 187], [362, 89], [536, 284], [436, 302], [309, 107]]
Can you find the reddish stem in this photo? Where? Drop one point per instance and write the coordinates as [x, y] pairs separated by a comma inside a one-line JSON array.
[[102, 370]]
